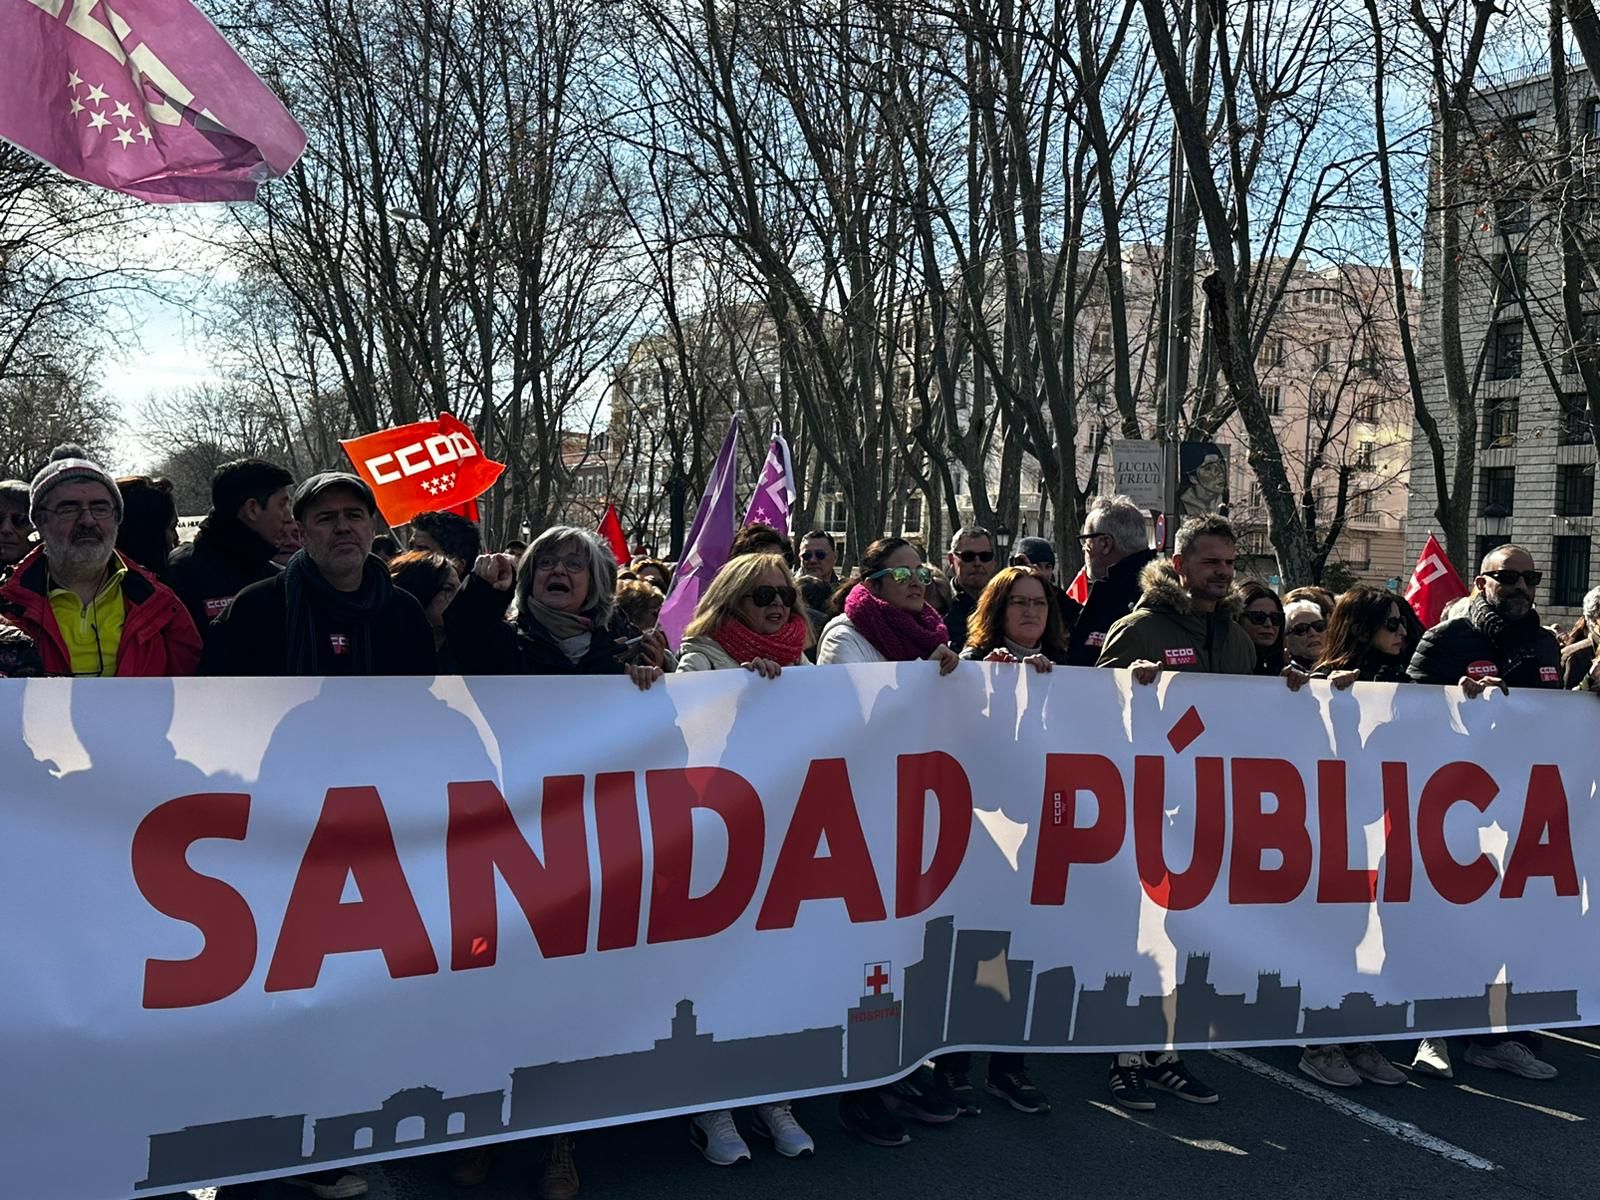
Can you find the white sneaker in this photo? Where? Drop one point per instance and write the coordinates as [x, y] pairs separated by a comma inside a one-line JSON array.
[[1368, 1062], [1433, 1058], [777, 1124], [1508, 1056], [717, 1137]]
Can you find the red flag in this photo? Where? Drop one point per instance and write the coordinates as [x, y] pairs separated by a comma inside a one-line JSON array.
[[1434, 584], [1078, 589], [428, 466], [611, 534]]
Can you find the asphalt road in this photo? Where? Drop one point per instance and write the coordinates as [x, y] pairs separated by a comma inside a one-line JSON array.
[[1275, 1135]]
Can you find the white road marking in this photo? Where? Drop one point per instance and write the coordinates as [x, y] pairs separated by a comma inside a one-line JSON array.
[[1538, 1108], [1561, 1037], [1404, 1131], [1197, 1143]]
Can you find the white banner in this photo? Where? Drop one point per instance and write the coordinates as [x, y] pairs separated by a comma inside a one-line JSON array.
[[256, 927]]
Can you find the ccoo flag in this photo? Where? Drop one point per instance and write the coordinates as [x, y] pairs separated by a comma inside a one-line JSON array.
[[145, 98], [1434, 584], [427, 466]]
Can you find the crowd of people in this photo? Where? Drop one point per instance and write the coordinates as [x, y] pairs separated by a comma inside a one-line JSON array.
[[297, 578]]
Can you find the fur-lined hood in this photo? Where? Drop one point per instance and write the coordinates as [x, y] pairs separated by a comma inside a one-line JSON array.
[[1161, 588]]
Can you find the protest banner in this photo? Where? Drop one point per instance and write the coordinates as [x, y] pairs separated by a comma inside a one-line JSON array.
[[260, 927]]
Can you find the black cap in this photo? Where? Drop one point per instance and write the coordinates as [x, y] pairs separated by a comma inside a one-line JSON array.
[[325, 481], [1035, 550]]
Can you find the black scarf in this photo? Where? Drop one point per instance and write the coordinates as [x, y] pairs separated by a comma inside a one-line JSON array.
[[1515, 642], [314, 603]]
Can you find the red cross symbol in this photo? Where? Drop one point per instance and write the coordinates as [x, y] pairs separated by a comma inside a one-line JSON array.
[[877, 980]]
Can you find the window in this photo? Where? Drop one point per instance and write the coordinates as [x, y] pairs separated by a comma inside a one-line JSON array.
[[1575, 490], [1591, 116], [1500, 423], [1514, 213], [1571, 572], [1364, 455], [1255, 494], [1574, 419], [1510, 275], [1320, 407], [914, 512], [1498, 491], [1272, 397], [1361, 505], [1521, 127], [1102, 342], [1272, 352], [1358, 554], [833, 514], [1505, 350], [1367, 409], [1323, 352]]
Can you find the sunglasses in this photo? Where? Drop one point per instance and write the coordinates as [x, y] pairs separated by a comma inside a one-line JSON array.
[[1084, 537], [1310, 627], [765, 595], [1396, 624], [815, 555], [922, 575], [16, 520], [1264, 618], [1506, 577], [971, 556]]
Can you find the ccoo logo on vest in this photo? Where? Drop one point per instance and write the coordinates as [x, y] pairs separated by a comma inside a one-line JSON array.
[[426, 466]]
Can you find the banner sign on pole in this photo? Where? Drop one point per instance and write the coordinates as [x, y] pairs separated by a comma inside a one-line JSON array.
[[1139, 473], [261, 928]]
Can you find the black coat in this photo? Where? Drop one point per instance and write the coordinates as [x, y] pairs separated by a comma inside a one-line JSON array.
[[1110, 599], [1523, 653], [251, 637], [225, 557], [957, 616], [485, 643]]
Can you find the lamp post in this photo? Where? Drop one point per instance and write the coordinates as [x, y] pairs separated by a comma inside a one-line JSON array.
[[1002, 542]]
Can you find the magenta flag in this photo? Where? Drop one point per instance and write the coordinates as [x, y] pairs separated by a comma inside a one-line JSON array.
[[774, 494], [146, 98], [710, 541]]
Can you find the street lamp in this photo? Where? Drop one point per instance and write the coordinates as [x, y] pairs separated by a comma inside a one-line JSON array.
[[1002, 541]]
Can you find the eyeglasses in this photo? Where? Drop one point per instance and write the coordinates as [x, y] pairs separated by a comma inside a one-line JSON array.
[[1309, 627], [1027, 602], [814, 555], [1506, 577], [1264, 618], [1396, 624], [922, 575], [765, 594], [100, 510], [570, 562], [1084, 537], [972, 556]]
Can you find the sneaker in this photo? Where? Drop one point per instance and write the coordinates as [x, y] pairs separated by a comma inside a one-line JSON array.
[[921, 1096], [1368, 1061], [776, 1123], [1017, 1090], [868, 1117], [1127, 1085], [469, 1168], [560, 1180], [959, 1087], [717, 1137], [1508, 1056], [1327, 1064], [330, 1185], [1170, 1075], [1433, 1058]]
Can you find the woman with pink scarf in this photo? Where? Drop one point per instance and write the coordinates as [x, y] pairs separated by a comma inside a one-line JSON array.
[[887, 617]]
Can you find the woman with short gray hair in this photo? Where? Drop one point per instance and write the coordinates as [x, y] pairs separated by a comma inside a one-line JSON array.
[[1577, 656]]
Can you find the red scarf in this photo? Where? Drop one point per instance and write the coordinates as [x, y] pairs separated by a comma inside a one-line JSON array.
[[786, 647]]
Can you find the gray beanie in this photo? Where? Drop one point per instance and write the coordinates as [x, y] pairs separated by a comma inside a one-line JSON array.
[[70, 469]]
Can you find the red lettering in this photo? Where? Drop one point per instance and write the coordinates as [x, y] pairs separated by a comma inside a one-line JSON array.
[[352, 840], [1454, 783], [826, 808], [482, 840], [1337, 881], [1396, 834], [916, 890], [1184, 889], [673, 795], [173, 888], [1544, 840], [1062, 841], [616, 826], [1255, 830]]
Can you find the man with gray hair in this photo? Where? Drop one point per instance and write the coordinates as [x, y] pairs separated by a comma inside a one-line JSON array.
[[972, 564], [1578, 657], [1116, 548], [90, 610]]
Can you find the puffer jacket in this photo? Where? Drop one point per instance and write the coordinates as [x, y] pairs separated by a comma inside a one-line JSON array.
[[1110, 599], [704, 654], [225, 557], [1483, 643], [159, 637], [1165, 628]]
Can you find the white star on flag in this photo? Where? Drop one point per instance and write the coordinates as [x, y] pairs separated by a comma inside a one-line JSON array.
[[123, 113], [144, 132], [76, 106], [98, 120], [125, 138], [97, 93], [74, 80]]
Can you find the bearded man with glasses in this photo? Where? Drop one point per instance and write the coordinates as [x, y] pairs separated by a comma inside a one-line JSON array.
[[1499, 642], [89, 610]]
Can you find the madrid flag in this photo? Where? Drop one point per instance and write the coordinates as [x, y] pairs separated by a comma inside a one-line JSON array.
[[428, 466], [145, 98], [1434, 584]]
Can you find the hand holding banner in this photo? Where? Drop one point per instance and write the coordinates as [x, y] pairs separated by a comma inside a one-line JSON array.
[[428, 466]]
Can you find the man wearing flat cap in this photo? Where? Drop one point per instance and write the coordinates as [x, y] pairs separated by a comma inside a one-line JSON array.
[[90, 610], [332, 609]]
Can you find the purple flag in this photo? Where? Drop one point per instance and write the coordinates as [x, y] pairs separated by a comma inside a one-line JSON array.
[[710, 540], [774, 494], [147, 99]]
